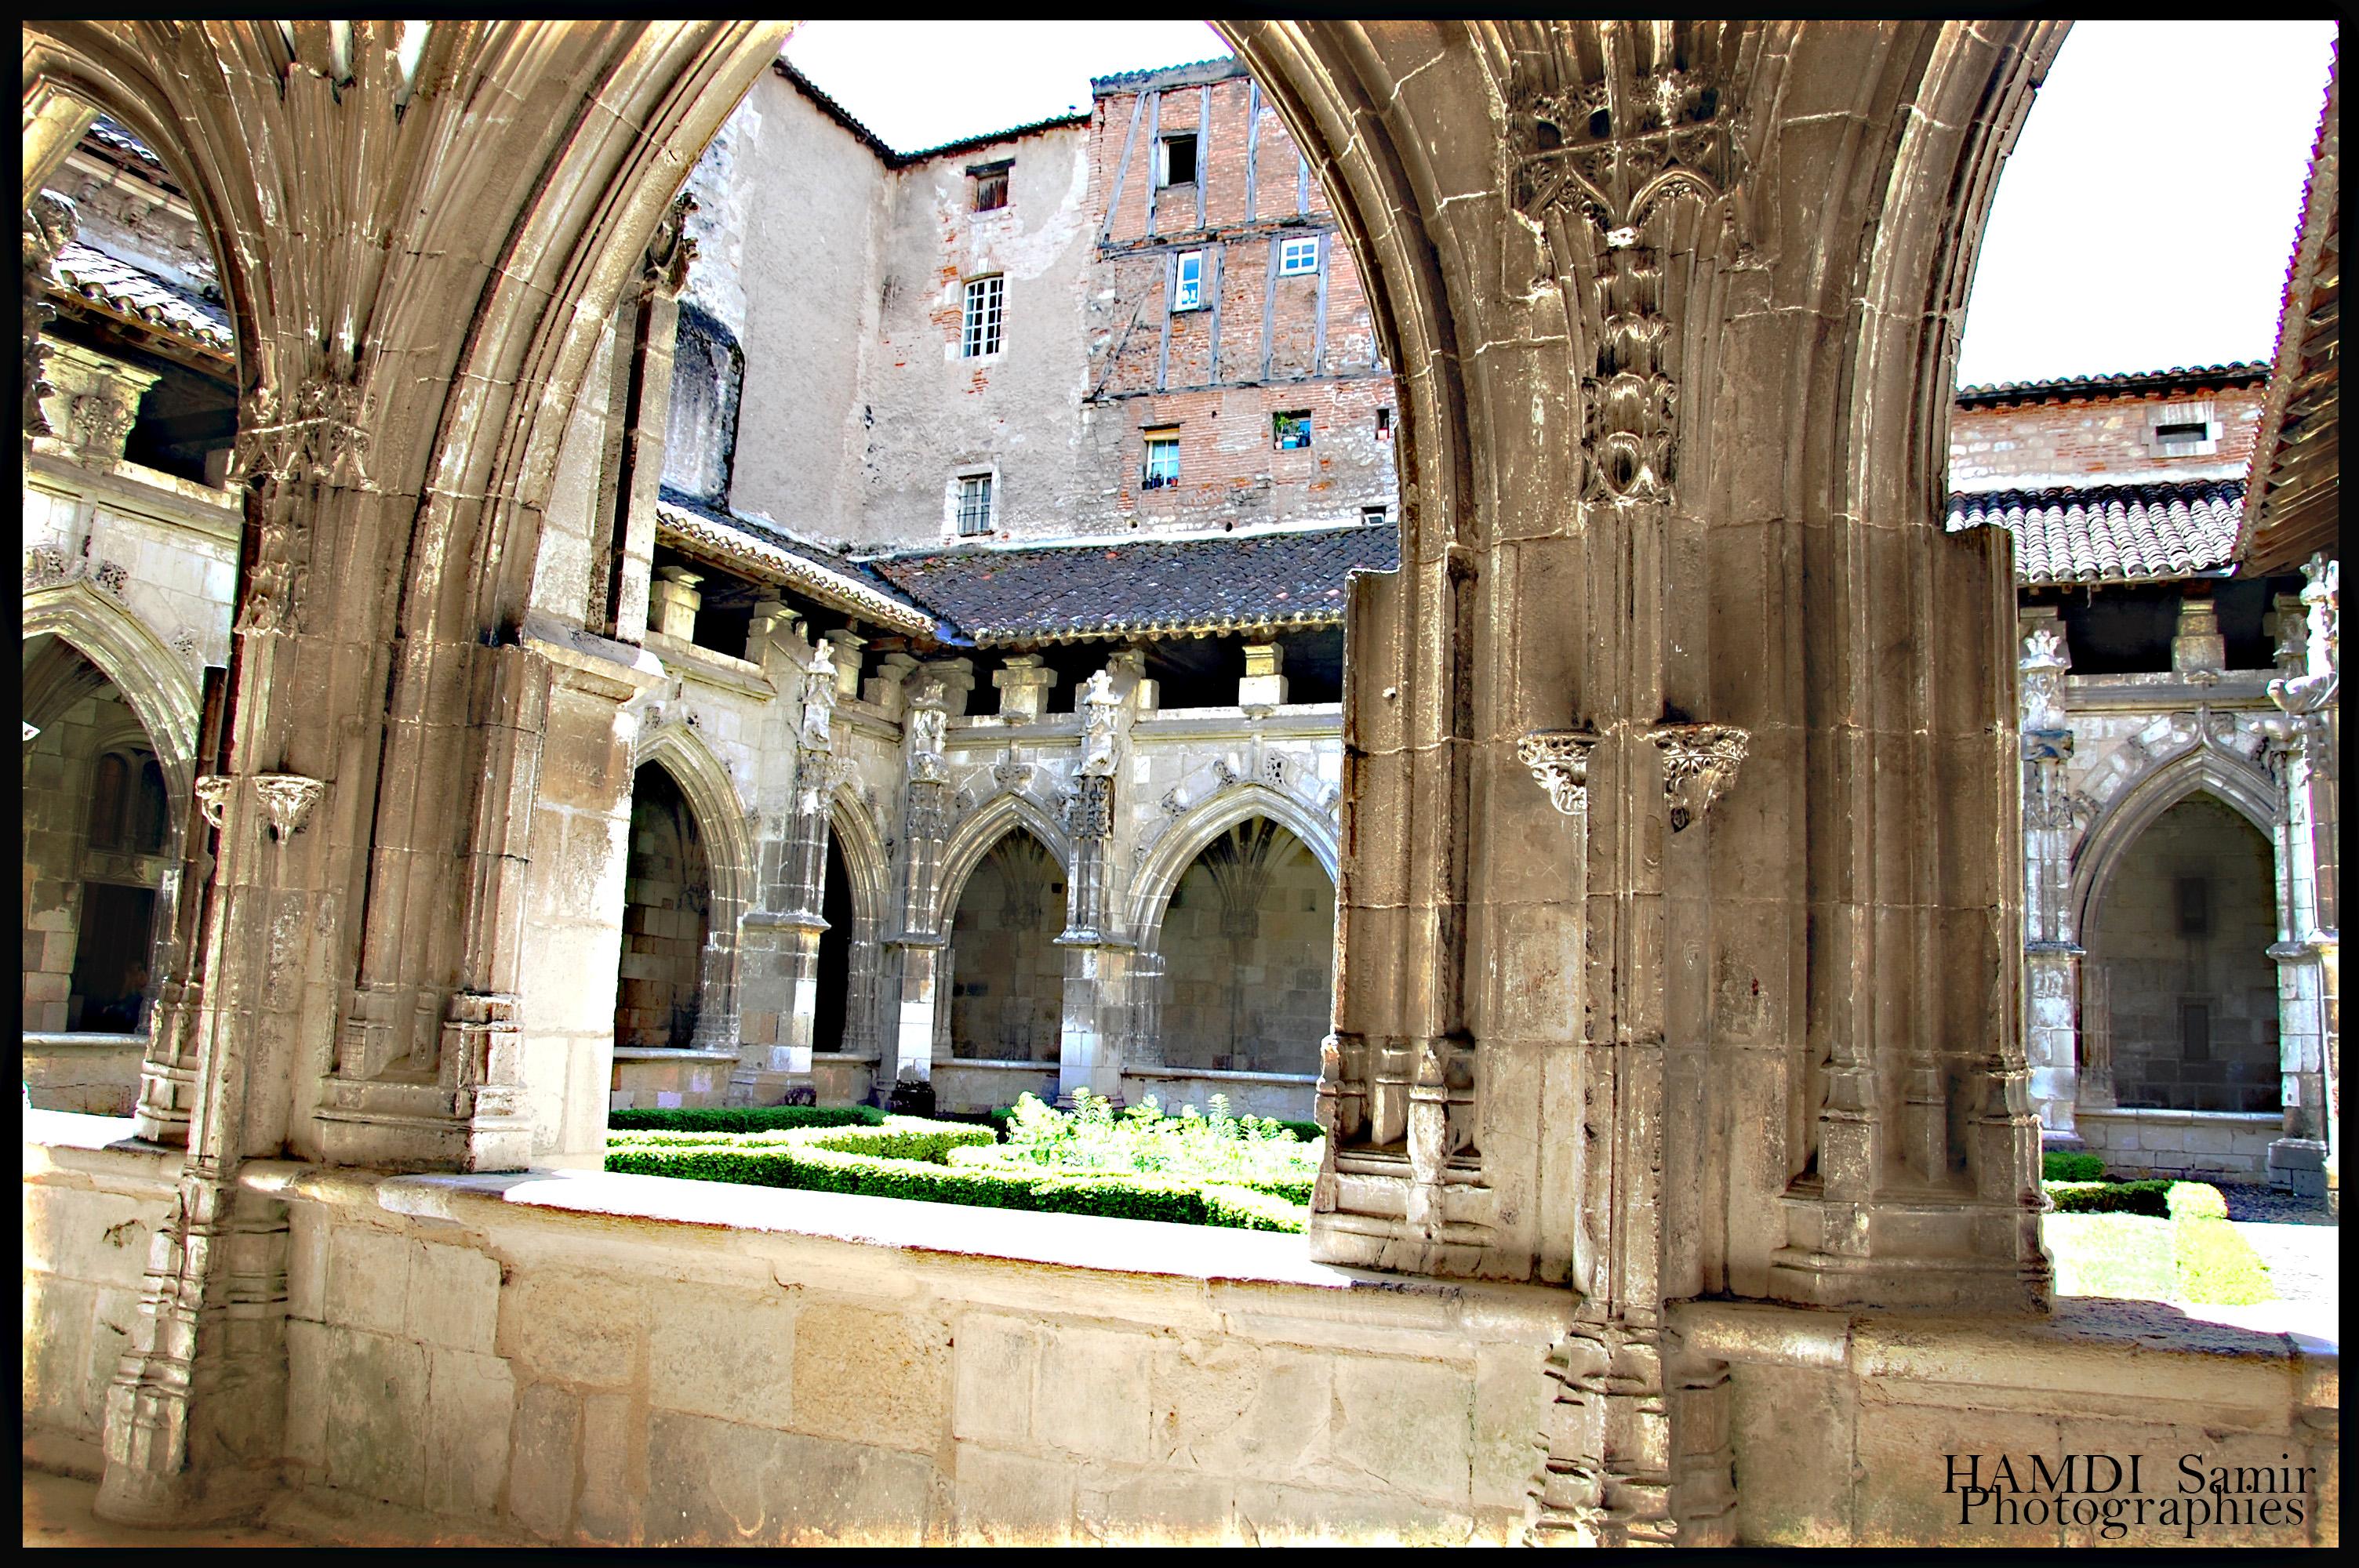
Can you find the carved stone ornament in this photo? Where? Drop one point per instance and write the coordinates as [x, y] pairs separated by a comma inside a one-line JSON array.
[[1609, 153], [2322, 603], [1011, 775], [48, 225], [1090, 812], [212, 796], [1699, 762], [1560, 759], [670, 254], [288, 798], [314, 434], [1101, 713], [927, 727], [2043, 667]]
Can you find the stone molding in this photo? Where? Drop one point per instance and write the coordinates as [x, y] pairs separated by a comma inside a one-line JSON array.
[[1700, 763]]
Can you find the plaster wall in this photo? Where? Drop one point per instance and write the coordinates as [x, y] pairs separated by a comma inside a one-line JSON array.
[[936, 413], [792, 212]]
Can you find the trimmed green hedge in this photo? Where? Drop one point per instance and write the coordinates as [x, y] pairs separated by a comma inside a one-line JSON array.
[[2063, 1167], [1293, 1190], [2150, 1197], [2215, 1264], [807, 1166], [743, 1118], [2197, 1200]]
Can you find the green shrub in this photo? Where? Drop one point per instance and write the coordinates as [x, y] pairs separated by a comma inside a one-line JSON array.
[[743, 1118], [2216, 1265], [903, 1138], [2062, 1167], [2196, 1200], [2150, 1197], [806, 1164]]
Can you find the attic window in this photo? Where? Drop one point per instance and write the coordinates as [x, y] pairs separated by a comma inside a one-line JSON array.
[[1178, 157], [2186, 429], [990, 185], [1383, 424], [1372, 516]]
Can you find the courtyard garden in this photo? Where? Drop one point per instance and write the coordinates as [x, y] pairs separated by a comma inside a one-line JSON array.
[[2150, 1240], [1208, 1168], [2144, 1239]]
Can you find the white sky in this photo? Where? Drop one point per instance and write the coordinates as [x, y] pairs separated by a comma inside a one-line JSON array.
[[2143, 221]]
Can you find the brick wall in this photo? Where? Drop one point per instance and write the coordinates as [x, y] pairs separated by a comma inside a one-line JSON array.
[[2096, 441]]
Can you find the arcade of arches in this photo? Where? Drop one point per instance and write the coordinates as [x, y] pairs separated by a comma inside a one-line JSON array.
[[1681, 1177]]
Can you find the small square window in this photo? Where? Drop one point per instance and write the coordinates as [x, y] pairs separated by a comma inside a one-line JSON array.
[[1298, 256], [1179, 159], [985, 297], [1289, 432], [1383, 424], [990, 187], [1375, 517], [1162, 460], [1188, 281], [973, 503]]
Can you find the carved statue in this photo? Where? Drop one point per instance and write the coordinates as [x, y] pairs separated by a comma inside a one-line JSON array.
[[819, 700], [927, 727], [2044, 663], [1100, 711]]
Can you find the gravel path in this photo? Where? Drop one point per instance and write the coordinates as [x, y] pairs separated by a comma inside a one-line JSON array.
[[2269, 1205]]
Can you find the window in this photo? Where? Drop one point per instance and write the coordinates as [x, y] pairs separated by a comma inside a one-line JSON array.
[[1187, 282], [990, 186], [1162, 460], [2194, 1030], [973, 503], [983, 300], [1300, 255], [1374, 516], [1383, 424], [2185, 429], [1178, 155], [2194, 907], [1290, 432]]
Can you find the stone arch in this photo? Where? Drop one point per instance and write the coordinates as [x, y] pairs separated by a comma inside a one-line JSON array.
[[2202, 769], [721, 820], [719, 816], [853, 843], [1002, 975], [973, 838], [1171, 855], [151, 676]]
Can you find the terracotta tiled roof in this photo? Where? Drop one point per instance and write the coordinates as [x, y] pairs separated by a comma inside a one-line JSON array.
[[774, 556], [2120, 384], [2125, 533], [1218, 582], [128, 290]]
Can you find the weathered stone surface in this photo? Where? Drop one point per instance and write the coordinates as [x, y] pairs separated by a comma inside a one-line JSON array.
[[871, 1376], [712, 1483]]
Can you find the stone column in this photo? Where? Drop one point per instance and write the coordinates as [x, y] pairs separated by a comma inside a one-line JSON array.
[[1264, 686], [2302, 751], [2197, 645], [90, 401], [921, 941], [1096, 1015], [1024, 684], [673, 602], [780, 945], [2051, 954]]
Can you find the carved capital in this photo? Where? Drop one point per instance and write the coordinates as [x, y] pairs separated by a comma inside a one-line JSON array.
[[1559, 760], [288, 798], [315, 433], [1699, 762], [1088, 814]]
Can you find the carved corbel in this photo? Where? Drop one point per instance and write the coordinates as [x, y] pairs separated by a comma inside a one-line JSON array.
[[288, 798], [1699, 762], [664, 268], [1559, 760], [212, 796]]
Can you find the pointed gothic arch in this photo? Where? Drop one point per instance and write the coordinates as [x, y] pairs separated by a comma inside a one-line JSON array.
[[2202, 768], [1171, 856], [973, 838], [151, 676]]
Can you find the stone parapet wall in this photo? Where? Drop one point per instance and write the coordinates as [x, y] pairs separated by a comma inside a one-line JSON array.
[[89, 1209], [1285, 1095], [662, 1079], [2209, 1146], [1843, 1425], [90, 1074]]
